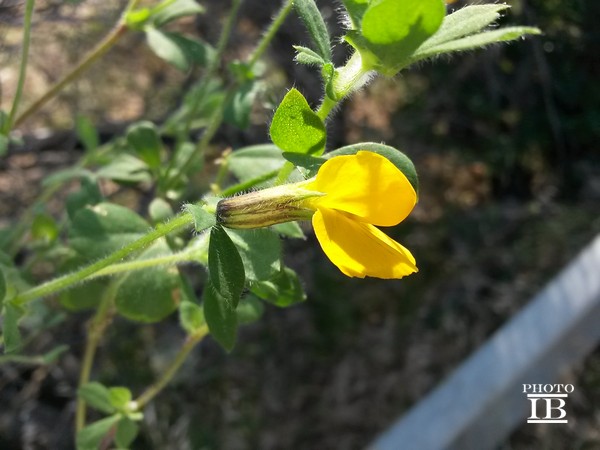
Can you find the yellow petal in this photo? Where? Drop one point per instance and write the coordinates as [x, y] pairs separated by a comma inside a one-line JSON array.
[[359, 249], [367, 185]]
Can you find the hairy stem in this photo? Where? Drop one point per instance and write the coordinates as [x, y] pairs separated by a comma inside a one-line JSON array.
[[270, 33], [103, 46], [191, 341], [60, 283]]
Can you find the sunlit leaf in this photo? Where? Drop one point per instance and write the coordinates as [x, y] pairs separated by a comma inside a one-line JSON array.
[[296, 128]]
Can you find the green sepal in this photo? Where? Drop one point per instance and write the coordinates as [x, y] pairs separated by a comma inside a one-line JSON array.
[[202, 218]]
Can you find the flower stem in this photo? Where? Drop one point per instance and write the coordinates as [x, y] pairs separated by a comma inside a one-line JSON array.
[[103, 46], [96, 330], [191, 341], [270, 33], [60, 283], [29, 6]]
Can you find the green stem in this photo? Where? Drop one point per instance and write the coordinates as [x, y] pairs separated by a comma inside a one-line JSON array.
[[29, 6], [185, 256], [103, 46], [60, 283], [347, 79], [270, 33], [97, 326], [191, 341], [223, 39], [23, 359]]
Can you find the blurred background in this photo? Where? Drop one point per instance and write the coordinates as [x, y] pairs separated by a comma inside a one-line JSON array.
[[505, 141]]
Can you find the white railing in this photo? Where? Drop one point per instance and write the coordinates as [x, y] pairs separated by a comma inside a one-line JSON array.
[[482, 401]]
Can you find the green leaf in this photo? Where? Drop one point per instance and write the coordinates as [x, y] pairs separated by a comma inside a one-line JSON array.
[[310, 164], [356, 10], [10, 327], [104, 228], [62, 176], [44, 228], [144, 139], [289, 229], [314, 23], [127, 169], [260, 250], [238, 109], [282, 290], [88, 194], [225, 267], [151, 294], [175, 10], [178, 50], [97, 396], [393, 30], [127, 430], [221, 317], [87, 133], [202, 218], [399, 159], [296, 128], [85, 296], [249, 310], [252, 162], [305, 55], [119, 397], [90, 437], [191, 317], [54, 354], [476, 41], [136, 19], [468, 20]]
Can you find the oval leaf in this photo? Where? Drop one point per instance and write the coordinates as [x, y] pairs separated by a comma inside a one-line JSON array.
[[296, 128], [143, 138], [149, 295], [225, 267], [221, 317]]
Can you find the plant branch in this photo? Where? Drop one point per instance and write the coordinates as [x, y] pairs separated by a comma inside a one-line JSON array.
[[29, 6], [97, 326], [270, 33], [103, 46], [60, 283], [181, 257], [191, 341]]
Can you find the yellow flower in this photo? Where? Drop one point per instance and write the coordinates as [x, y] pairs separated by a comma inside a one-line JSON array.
[[350, 196], [361, 191]]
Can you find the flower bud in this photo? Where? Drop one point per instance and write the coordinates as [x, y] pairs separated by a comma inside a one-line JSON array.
[[267, 207]]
